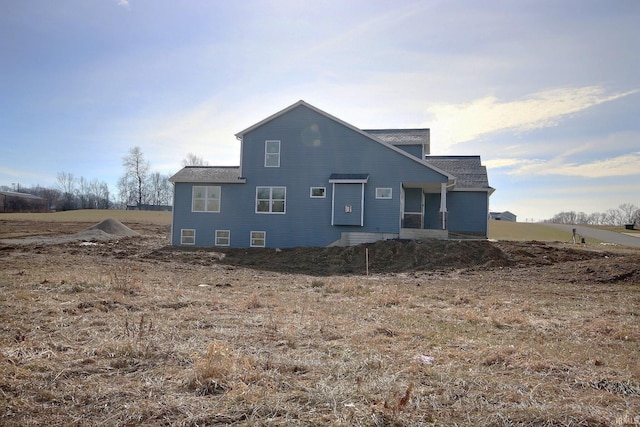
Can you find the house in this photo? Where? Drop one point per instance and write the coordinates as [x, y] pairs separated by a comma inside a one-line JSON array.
[[307, 178], [502, 216], [11, 201]]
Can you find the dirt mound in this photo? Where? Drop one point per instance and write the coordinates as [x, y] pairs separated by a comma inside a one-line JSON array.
[[391, 256], [109, 229], [114, 227], [383, 256]]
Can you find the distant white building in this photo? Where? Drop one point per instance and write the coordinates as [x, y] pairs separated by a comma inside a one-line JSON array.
[[502, 216]]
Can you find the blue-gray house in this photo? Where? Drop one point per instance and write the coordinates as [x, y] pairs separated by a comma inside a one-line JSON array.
[[307, 178]]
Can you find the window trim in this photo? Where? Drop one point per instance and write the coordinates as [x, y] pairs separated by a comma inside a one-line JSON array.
[[271, 200], [228, 237], [252, 239], [380, 196], [268, 155], [324, 192], [182, 236], [206, 198]]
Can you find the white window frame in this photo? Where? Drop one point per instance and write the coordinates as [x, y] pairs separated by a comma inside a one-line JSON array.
[[269, 156], [184, 238], [207, 198], [324, 192], [254, 238], [220, 238], [380, 193], [271, 200]]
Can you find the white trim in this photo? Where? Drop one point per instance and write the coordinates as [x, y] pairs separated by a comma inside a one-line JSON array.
[[182, 236], [384, 197], [215, 242], [267, 154], [264, 239], [324, 192], [333, 203], [362, 207], [401, 215], [348, 181]]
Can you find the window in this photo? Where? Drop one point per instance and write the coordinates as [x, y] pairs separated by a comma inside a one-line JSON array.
[[318, 192], [258, 239], [271, 199], [383, 193], [187, 237], [205, 199], [272, 154], [223, 237]]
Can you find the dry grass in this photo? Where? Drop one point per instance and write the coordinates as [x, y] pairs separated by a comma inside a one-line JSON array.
[[93, 216], [124, 342], [99, 338], [523, 231]]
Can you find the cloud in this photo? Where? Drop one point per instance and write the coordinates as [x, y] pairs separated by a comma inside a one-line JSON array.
[[618, 166], [456, 123], [123, 3]]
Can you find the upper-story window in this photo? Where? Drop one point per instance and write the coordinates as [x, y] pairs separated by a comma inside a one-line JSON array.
[[205, 199], [272, 154]]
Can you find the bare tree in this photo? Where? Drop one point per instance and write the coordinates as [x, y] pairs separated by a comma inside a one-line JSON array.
[[67, 185], [627, 209], [614, 217], [134, 181], [83, 192], [160, 189], [193, 160]]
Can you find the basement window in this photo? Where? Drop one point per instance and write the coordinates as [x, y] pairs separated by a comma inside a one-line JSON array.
[[258, 239], [223, 237], [187, 236]]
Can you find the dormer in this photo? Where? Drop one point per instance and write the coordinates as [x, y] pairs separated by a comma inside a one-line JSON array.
[[413, 141]]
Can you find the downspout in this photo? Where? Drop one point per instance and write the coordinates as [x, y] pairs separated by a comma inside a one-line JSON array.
[[239, 138]]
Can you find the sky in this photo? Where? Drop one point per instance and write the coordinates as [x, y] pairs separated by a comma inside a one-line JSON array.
[[547, 92]]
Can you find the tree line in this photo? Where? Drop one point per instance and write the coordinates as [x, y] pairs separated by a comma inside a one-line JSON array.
[[138, 187], [626, 213]]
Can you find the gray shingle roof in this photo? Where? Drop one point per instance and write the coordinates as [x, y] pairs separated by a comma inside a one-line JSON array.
[[401, 136], [212, 174], [468, 170]]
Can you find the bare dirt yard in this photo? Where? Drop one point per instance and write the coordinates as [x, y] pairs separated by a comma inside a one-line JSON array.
[[105, 326]]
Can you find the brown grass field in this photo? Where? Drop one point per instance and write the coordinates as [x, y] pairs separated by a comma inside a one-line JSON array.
[[129, 331]]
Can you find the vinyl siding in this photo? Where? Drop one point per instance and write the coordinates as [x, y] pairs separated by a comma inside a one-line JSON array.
[[312, 147]]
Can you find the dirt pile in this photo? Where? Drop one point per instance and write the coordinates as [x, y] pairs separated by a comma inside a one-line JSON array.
[[389, 256], [383, 256], [109, 229], [114, 228]]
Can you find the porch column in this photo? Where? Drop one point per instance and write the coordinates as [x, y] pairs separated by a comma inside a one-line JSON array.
[[443, 204]]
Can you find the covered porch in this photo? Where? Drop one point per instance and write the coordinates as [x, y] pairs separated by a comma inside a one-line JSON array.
[[423, 210]]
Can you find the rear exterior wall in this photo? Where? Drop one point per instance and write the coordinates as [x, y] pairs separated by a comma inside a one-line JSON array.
[[312, 147]]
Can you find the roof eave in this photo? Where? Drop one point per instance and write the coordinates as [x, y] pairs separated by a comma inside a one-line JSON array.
[[208, 181]]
